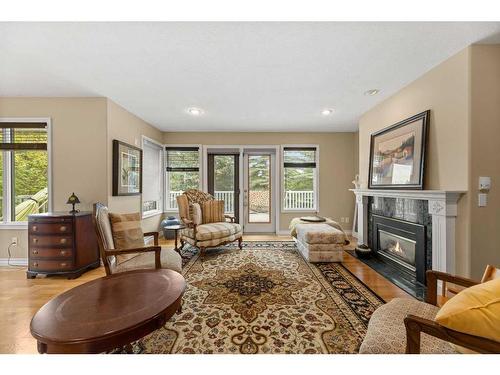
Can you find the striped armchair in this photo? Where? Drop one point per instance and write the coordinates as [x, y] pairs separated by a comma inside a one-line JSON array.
[[201, 235]]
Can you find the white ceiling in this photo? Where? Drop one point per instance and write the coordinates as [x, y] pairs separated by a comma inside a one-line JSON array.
[[245, 76]]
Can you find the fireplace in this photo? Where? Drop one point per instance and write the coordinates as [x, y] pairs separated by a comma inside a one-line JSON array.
[[401, 244]]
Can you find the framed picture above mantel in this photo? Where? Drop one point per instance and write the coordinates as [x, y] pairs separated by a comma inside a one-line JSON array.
[[397, 154], [127, 169]]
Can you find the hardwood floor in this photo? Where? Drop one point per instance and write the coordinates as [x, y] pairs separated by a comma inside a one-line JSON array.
[[20, 298]]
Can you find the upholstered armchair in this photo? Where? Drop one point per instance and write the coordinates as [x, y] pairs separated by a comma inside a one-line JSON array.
[[209, 235], [121, 260], [407, 325]]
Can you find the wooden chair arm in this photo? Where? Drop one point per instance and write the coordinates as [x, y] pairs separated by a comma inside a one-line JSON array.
[[155, 236], [432, 278], [230, 218], [156, 249], [415, 325]]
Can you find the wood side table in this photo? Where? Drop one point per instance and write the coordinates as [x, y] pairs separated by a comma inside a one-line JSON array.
[[176, 229], [109, 312]]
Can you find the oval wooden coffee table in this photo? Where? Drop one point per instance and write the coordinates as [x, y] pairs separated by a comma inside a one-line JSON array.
[[109, 312]]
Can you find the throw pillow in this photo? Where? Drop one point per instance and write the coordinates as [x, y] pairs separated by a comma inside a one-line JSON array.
[[213, 212], [127, 233], [196, 216], [475, 310]]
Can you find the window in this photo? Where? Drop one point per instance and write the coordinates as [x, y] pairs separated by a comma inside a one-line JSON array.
[[300, 191], [183, 172], [23, 169], [152, 178]]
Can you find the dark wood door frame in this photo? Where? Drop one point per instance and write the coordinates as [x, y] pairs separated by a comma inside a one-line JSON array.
[[236, 184]]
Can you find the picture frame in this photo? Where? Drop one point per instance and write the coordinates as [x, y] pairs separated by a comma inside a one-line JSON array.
[[127, 169], [397, 154]]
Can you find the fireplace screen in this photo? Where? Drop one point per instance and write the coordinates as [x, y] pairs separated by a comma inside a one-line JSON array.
[[397, 248]]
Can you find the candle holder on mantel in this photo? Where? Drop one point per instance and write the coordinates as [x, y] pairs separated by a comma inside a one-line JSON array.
[[73, 199]]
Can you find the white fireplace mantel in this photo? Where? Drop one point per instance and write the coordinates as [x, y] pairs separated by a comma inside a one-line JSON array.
[[442, 207]]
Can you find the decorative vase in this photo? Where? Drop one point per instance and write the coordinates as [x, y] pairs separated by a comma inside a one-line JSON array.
[[170, 220]]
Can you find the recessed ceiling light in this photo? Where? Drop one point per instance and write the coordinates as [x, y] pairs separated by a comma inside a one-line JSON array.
[[372, 92], [327, 112], [195, 111]]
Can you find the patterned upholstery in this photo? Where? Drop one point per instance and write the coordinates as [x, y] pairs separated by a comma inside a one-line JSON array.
[[215, 242], [127, 233], [168, 257], [320, 242], [205, 235], [386, 332], [213, 211], [212, 231]]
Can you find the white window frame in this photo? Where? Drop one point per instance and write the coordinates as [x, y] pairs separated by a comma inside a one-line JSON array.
[[7, 178], [166, 184], [315, 209], [159, 206]]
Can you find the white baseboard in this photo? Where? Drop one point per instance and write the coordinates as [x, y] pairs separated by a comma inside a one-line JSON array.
[[23, 262]]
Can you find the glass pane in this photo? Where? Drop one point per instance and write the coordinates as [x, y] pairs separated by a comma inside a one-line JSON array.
[[30, 181], [149, 206], [224, 181], [299, 188], [178, 182], [259, 189], [299, 156]]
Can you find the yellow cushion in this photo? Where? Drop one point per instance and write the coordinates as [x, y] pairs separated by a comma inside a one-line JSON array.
[[475, 310]]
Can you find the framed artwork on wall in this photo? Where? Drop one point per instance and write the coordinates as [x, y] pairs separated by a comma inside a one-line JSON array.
[[397, 154], [127, 169]]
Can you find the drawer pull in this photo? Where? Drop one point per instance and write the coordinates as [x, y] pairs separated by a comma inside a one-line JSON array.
[[35, 264], [63, 240], [35, 228], [35, 252], [63, 228], [35, 240], [63, 252], [64, 264]]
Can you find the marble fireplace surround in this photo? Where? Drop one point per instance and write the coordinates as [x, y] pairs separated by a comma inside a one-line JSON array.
[[443, 209]]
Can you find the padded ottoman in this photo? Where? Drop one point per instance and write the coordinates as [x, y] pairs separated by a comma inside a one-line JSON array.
[[320, 242]]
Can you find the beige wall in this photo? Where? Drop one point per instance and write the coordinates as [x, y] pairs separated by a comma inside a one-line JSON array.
[[336, 165], [78, 149], [485, 158], [126, 127], [445, 91]]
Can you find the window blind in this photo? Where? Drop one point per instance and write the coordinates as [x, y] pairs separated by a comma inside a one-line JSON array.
[[299, 157], [152, 167], [183, 159], [23, 136]]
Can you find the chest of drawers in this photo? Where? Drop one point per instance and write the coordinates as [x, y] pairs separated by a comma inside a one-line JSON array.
[[61, 243]]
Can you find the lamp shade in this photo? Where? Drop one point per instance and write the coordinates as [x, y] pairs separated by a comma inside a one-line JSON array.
[[73, 199]]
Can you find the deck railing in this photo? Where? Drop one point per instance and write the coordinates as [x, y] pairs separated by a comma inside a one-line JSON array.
[[294, 200]]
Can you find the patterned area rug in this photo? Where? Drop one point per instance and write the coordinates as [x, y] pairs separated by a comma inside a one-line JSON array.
[[265, 299]]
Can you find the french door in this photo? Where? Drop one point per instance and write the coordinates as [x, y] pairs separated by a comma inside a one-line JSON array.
[[224, 181], [258, 188]]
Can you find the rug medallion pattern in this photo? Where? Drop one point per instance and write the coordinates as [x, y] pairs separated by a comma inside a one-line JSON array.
[[265, 299]]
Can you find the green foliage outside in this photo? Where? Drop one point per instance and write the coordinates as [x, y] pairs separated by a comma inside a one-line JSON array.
[[30, 179]]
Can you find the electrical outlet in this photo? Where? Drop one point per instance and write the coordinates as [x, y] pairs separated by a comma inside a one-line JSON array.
[[13, 241], [347, 219], [342, 220]]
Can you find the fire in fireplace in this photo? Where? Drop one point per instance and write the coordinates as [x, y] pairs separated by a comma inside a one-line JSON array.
[[398, 249]]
